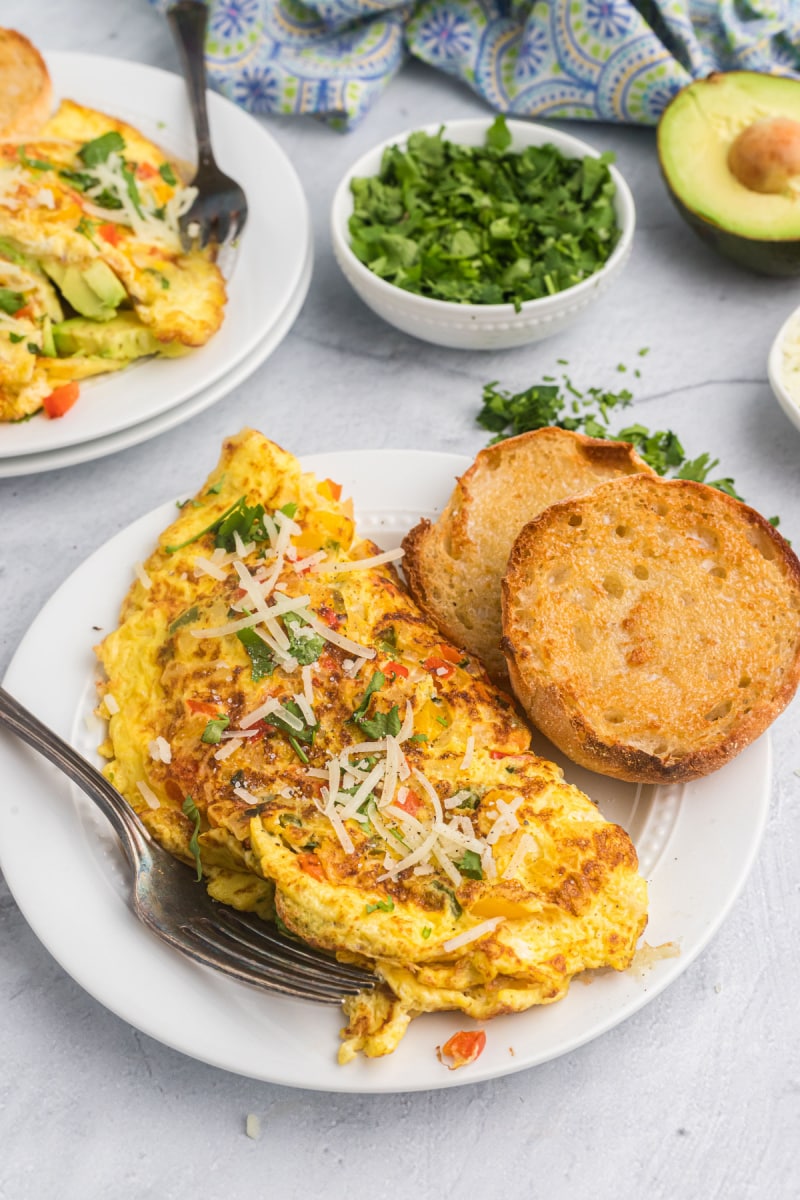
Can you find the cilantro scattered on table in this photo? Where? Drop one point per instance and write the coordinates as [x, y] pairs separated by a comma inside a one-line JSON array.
[[482, 225], [563, 405]]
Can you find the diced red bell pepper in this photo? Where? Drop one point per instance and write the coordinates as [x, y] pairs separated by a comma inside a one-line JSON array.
[[464, 1047], [61, 399], [203, 706], [311, 865], [109, 233], [411, 804], [393, 669], [439, 666]]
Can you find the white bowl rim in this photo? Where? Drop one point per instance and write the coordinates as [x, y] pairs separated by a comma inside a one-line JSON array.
[[541, 303], [790, 407]]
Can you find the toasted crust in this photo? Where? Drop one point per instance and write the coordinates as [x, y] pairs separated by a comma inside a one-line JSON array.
[[26, 95], [454, 567], [652, 627]]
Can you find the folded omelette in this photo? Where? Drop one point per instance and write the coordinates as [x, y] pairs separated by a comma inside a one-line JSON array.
[[92, 271], [283, 717]]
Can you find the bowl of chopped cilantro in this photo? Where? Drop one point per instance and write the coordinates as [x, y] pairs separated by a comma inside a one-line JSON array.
[[482, 234]]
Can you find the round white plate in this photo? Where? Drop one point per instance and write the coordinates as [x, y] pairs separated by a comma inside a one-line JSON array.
[[696, 844], [70, 456], [271, 258]]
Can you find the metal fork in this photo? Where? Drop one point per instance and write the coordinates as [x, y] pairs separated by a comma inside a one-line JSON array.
[[219, 211], [170, 901]]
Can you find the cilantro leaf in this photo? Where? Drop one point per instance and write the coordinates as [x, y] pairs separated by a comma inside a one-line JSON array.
[[386, 905], [11, 302], [98, 150], [470, 865], [186, 618], [167, 174], [190, 809], [261, 661], [240, 518], [375, 684], [305, 735], [455, 907], [212, 734], [381, 724], [35, 164], [305, 649]]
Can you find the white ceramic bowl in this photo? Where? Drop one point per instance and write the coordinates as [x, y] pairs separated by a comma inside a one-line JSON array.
[[477, 326], [787, 395]]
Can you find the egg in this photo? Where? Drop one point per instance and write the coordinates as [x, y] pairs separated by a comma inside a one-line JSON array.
[[356, 778], [99, 220]]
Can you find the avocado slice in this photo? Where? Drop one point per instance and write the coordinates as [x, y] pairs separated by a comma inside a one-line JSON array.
[[122, 337], [93, 291], [48, 340], [729, 149], [13, 252]]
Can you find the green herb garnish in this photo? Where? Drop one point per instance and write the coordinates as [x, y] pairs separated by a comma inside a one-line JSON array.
[[507, 414], [386, 905], [290, 819], [237, 779], [212, 734], [480, 224], [190, 809], [305, 735], [386, 640], [11, 302], [455, 907], [470, 865], [240, 518], [86, 227], [289, 509], [426, 932], [98, 150], [16, 338], [216, 488], [167, 174], [186, 618], [35, 164], [261, 661], [380, 724], [305, 649]]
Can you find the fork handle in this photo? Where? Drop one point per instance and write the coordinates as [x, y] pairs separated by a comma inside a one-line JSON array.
[[188, 20], [30, 729]]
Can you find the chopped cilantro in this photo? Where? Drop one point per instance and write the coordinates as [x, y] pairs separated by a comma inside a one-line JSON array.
[[212, 734], [470, 801], [33, 348], [507, 414], [190, 809], [426, 932], [470, 865], [305, 649], [261, 661], [380, 724], [386, 640], [418, 737], [186, 618], [81, 180], [216, 488], [295, 736], [481, 224], [86, 227], [455, 907], [237, 779], [443, 721], [289, 509], [16, 337], [386, 905], [11, 302], [98, 150], [35, 164], [240, 518], [167, 174], [290, 819], [132, 189]]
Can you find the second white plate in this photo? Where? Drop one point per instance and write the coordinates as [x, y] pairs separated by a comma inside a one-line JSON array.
[[696, 845], [273, 254]]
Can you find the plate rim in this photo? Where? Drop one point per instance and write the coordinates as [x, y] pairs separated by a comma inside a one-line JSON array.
[[78, 61], [151, 524]]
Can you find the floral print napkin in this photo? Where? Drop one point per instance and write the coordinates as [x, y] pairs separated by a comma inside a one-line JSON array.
[[607, 60]]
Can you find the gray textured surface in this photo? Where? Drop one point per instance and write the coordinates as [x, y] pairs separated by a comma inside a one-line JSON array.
[[697, 1095]]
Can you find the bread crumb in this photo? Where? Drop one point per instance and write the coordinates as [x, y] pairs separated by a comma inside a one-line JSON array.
[[252, 1127]]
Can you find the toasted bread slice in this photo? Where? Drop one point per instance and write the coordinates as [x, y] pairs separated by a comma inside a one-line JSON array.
[[26, 94], [454, 567], [652, 627]]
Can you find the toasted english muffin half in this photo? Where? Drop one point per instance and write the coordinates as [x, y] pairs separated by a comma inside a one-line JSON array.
[[27, 95], [455, 566], [652, 627]]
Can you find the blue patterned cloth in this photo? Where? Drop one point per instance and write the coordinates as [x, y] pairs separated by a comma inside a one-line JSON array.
[[608, 60]]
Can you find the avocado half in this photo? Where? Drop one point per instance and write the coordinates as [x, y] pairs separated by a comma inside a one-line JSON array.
[[729, 149]]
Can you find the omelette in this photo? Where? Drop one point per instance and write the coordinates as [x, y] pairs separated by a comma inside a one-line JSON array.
[[92, 272], [282, 716]]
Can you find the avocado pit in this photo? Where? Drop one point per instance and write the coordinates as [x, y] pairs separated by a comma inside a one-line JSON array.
[[765, 157]]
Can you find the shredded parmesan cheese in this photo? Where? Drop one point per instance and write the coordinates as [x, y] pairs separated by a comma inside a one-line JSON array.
[[142, 576], [148, 795], [229, 748], [112, 706], [472, 935], [469, 751], [359, 564]]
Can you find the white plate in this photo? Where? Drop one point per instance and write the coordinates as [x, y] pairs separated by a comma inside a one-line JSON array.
[[272, 255], [70, 456], [696, 844]]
